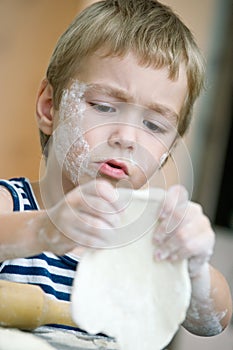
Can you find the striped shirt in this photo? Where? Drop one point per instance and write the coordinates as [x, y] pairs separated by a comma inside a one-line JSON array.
[[52, 273]]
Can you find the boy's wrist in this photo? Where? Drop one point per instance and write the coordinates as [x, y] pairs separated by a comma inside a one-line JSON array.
[[44, 236], [202, 277], [49, 238]]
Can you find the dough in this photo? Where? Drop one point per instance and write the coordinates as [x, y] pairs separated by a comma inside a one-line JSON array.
[[14, 339], [124, 293]]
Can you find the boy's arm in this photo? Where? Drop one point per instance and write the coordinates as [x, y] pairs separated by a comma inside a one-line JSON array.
[[19, 234], [60, 228], [18, 230], [210, 308], [28, 233], [184, 232]]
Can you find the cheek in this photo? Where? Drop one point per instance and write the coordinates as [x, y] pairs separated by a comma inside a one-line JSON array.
[[97, 140], [150, 151], [71, 148]]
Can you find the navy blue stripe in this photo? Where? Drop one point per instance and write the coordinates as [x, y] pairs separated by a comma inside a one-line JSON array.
[[28, 207], [30, 195], [50, 290], [78, 329], [68, 260], [37, 271], [69, 327], [63, 262]]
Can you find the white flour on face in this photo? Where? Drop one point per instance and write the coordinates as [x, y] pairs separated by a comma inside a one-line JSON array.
[[71, 149]]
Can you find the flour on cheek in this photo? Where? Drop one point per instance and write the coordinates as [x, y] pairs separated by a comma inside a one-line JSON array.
[[71, 148]]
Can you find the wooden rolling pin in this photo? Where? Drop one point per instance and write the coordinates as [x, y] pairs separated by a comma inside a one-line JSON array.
[[26, 307]]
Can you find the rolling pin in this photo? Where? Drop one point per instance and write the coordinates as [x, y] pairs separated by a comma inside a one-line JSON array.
[[27, 307]]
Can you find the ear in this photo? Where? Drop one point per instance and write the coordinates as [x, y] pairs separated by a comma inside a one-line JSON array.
[[44, 107]]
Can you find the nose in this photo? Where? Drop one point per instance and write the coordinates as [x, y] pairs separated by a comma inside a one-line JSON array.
[[123, 136]]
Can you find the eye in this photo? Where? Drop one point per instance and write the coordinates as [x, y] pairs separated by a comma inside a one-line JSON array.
[[102, 108], [152, 126]]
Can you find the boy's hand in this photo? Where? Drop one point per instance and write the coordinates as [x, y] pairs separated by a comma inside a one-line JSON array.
[[84, 217], [184, 232]]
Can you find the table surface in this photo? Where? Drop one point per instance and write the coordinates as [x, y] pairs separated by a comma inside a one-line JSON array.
[[70, 340], [57, 339]]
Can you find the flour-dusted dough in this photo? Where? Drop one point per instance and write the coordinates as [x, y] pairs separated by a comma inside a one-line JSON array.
[[123, 293], [14, 339]]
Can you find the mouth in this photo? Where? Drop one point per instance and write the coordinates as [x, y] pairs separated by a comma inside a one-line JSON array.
[[114, 169]]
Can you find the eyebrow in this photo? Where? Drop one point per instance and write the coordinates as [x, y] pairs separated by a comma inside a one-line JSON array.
[[126, 97]]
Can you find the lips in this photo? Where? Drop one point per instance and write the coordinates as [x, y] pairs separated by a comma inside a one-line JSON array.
[[113, 168]]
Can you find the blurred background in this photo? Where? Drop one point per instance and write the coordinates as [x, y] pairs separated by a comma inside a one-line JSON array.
[[29, 30]]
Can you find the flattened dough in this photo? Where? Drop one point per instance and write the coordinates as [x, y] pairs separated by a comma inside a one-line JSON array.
[[123, 293]]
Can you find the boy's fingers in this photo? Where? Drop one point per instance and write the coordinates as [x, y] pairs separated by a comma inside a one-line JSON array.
[[100, 188], [176, 195], [173, 212]]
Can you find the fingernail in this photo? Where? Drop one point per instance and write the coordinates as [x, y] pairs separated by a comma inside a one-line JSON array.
[[161, 255], [157, 239], [163, 215], [157, 255]]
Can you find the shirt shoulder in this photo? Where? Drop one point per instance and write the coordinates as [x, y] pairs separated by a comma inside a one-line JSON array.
[[17, 194]]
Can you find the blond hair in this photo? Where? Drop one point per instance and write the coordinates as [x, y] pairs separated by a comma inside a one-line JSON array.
[[147, 28]]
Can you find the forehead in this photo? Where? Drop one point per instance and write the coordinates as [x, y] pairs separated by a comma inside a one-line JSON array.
[[138, 84]]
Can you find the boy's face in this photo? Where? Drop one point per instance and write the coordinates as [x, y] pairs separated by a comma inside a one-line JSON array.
[[120, 122]]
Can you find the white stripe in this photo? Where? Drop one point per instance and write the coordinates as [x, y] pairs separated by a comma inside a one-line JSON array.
[[51, 255], [22, 200], [71, 256], [21, 203], [39, 263], [37, 280], [20, 189], [17, 182], [26, 201]]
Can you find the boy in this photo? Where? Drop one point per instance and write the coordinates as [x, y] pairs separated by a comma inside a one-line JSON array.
[[119, 91]]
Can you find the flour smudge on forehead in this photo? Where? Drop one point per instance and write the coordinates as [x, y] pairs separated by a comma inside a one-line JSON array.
[[72, 150]]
